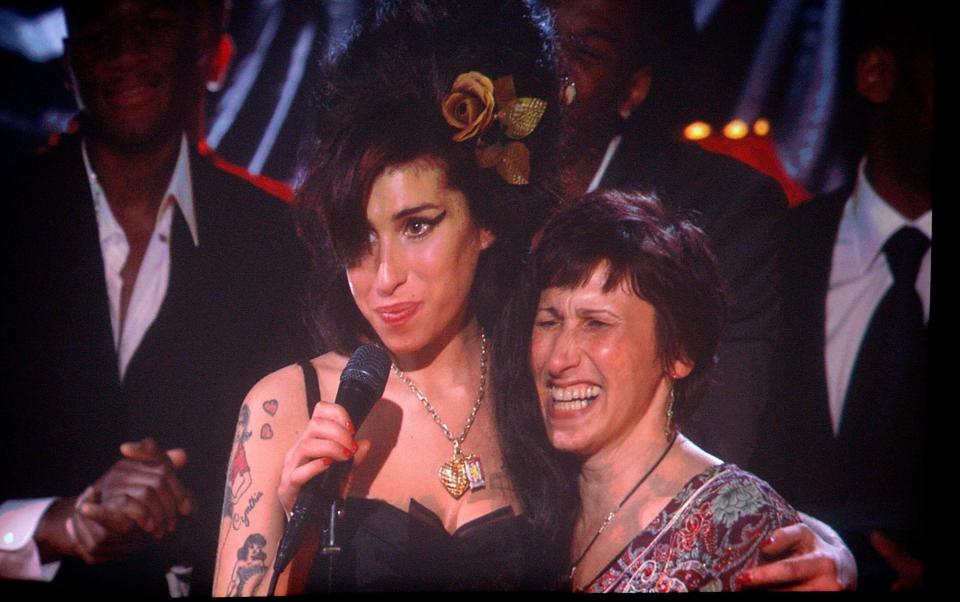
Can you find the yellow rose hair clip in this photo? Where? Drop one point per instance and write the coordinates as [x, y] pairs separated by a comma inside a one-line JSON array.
[[475, 103]]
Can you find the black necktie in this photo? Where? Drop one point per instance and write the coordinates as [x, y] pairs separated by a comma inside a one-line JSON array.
[[882, 425]]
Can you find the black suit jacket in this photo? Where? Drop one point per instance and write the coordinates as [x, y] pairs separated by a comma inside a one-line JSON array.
[[742, 211], [864, 477], [231, 314]]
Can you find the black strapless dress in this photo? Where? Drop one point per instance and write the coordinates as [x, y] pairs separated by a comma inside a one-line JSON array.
[[384, 548], [387, 549]]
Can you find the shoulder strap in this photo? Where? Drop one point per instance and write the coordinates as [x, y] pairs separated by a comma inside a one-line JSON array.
[[312, 385]]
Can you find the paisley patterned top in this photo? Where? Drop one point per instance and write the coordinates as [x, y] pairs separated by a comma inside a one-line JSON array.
[[702, 539]]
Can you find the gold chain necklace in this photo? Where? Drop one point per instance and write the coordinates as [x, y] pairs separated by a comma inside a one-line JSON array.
[[461, 472]]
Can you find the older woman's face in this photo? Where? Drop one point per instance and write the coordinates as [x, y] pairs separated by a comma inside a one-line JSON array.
[[594, 358], [413, 283]]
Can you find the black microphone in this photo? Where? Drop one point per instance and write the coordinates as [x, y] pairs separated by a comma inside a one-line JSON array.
[[361, 385]]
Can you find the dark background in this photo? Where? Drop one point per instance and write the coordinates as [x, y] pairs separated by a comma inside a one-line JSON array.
[[779, 59]]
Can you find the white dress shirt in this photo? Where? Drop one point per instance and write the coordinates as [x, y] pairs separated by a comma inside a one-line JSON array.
[[19, 555], [859, 278], [150, 287]]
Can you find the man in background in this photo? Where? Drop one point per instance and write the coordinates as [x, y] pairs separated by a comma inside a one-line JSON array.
[[625, 63], [844, 436], [153, 288]]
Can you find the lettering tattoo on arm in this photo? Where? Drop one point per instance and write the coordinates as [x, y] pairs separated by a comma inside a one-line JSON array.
[[250, 504]]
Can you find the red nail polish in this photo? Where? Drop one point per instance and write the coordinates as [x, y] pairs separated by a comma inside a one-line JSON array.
[[768, 541], [351, 428], [327, 461], [743, 579]]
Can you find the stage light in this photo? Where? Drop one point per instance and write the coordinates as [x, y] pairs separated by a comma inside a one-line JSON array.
[[736, 129], [698, 130], [761, 127]]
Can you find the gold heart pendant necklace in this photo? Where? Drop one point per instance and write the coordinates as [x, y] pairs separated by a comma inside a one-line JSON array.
[[462, 472]]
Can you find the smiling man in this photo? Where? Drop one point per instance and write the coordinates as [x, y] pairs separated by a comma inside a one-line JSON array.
[[154, 288]]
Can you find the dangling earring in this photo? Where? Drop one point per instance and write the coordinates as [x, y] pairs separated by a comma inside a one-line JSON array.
[[668, 429], [568, 91]]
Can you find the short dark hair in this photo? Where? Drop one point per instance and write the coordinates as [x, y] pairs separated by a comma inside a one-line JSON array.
[[665, 261], [380, 107]]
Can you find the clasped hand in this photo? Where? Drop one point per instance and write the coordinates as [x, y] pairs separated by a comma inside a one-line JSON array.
[[137, 500]]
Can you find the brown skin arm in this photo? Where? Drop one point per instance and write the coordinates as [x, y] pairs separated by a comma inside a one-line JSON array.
[[137, 501]]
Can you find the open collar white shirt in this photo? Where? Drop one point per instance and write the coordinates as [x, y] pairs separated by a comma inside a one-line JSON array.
[[859, 278], [150, 287], [19, 556]]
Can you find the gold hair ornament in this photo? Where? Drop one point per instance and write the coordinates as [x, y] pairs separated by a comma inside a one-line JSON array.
[[475, 104]]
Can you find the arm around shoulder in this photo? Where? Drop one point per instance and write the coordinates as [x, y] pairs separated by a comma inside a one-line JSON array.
[[743, 511], [807, 556]]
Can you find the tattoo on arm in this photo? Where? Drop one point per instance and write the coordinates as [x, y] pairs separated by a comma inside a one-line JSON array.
[[270, 407], [238, 473], [250, 504], [250, 568]]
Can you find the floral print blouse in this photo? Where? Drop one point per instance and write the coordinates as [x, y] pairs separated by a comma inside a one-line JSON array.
[[710, 532]]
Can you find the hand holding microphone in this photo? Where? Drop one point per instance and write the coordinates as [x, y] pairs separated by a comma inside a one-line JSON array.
[[327, 441], [311, 476]]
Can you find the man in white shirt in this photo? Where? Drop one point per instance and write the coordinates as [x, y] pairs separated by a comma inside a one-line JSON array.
[[845, 433], [153, 290]]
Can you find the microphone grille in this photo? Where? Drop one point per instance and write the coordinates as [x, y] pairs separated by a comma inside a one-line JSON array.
[[369, 365]]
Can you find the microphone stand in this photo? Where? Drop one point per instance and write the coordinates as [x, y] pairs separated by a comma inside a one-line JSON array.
[[329, 547], [361, 383]]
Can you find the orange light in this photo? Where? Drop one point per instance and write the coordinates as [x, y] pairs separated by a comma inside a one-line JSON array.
[[698, 130], [736, 129], [761, 127]]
